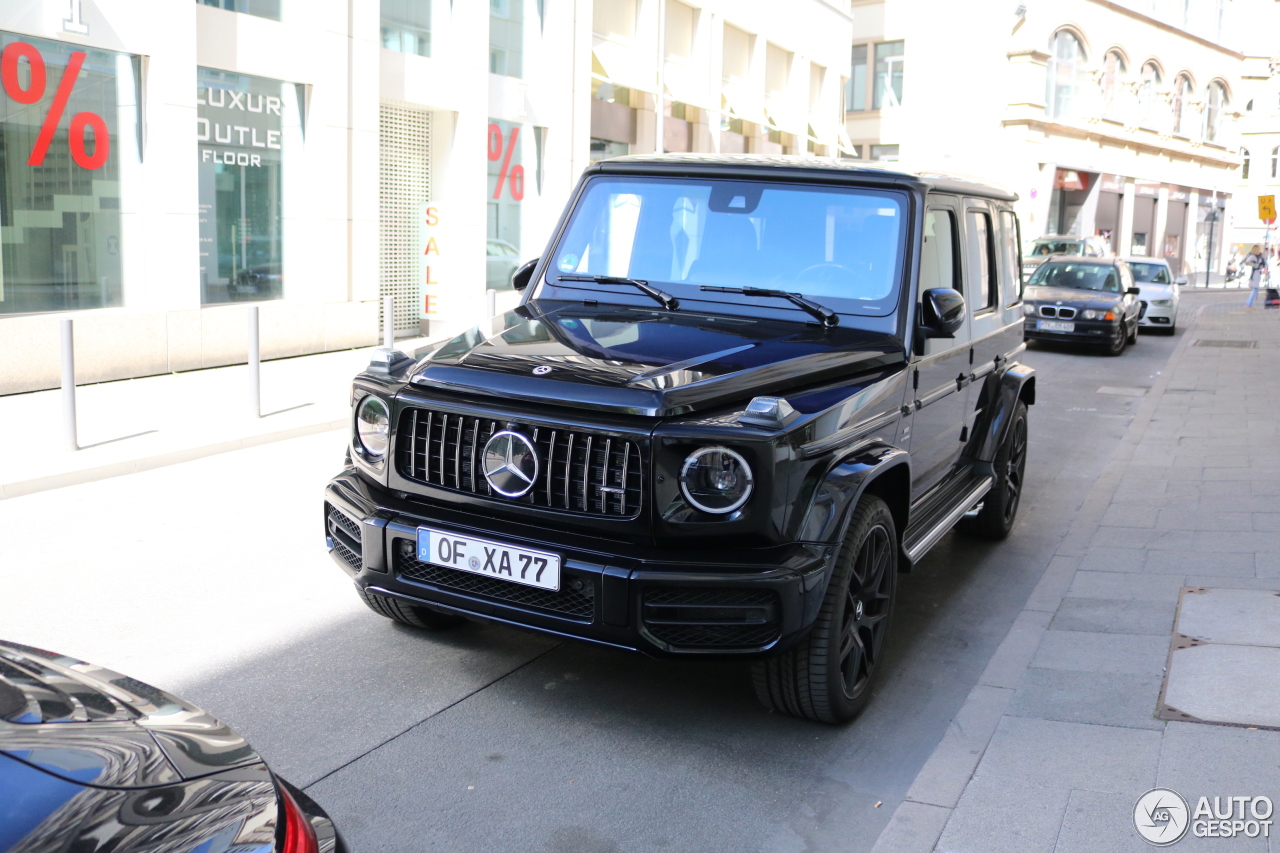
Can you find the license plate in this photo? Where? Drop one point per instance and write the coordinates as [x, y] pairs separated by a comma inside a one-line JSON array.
[[493, 559], [1054, 326]]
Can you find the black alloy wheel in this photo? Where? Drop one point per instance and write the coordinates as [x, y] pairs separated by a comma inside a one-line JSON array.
[[827, 676], [1119, 337], [409, 614], [1000, 505]]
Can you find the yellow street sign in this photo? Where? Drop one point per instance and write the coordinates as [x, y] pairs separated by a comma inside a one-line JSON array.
[[1266, 207]]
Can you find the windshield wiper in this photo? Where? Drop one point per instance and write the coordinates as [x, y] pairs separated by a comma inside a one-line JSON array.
[[668, 301], [828, 317]]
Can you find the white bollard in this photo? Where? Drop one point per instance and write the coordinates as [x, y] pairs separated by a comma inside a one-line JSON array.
[[491, 297], [69, 430], [255, 365], [388, 321]]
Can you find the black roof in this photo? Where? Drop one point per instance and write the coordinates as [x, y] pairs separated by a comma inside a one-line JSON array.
[[792, 166]]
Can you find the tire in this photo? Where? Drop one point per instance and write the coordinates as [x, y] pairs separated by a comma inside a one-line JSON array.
[[1118, 341], [1133, 334], [828, 675], [1000, 506], [409, 614]]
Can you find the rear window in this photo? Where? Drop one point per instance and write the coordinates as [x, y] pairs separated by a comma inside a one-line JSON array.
[[1055, 247]]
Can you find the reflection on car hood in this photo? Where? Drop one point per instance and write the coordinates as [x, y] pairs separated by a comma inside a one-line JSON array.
[[90, 725], [1072, 296], [649, 362]]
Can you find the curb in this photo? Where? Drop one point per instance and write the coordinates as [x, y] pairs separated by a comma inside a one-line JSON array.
[[160, 460]]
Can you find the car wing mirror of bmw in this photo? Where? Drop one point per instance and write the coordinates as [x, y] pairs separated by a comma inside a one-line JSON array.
[[1134, 291], [523, 273]]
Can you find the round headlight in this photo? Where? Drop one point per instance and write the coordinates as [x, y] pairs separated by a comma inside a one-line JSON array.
[[373, 426], [716, 480], [1028, 309], [1090, 314]]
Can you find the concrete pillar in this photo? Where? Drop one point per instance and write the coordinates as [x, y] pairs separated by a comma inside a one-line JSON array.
[[1161, 223], [1124, 245]]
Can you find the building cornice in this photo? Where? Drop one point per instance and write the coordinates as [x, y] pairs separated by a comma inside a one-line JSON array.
[[1141, 141], [1169, 28]]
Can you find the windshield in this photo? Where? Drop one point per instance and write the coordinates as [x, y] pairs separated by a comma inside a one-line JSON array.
[[1055, 247], [1101, 277], [1150, 273], [839, 246]]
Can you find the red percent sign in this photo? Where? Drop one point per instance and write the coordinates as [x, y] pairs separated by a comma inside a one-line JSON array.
[[35, 91], [496, 153]]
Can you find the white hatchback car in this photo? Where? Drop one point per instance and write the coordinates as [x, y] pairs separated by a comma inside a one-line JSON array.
[[1159, 293]]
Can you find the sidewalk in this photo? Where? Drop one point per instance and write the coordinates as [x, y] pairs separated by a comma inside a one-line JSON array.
[[1060, 737], [136, 424]]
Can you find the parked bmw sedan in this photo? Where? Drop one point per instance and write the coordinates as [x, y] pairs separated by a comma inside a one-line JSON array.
[[1083, 300], [91, 760], [1158, 293]]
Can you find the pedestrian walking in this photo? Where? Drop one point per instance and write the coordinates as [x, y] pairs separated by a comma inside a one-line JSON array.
[[1255, 262]]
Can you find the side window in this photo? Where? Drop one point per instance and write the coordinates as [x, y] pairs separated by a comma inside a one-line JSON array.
[[938, 254], [982, 261], [1011, 235]]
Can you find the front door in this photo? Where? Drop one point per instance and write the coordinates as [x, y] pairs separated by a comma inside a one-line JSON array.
[[940, 397]]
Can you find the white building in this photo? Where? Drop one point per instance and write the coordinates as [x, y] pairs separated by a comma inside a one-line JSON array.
[[309, 156], [1110, 117]]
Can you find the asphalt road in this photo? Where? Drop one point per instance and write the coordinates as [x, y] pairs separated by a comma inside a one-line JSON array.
[[209, 578]]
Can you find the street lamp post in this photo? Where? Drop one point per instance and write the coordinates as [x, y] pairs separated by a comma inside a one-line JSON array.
[[1208, 261]]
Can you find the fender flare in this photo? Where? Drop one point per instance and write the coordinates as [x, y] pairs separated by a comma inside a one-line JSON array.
[[1017, 382]]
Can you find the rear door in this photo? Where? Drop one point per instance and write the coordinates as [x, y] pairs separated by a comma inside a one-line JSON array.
[[940, 398]]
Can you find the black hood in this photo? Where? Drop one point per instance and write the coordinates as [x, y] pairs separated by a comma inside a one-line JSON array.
[[647, 362], [1072, 296], [93, 726]]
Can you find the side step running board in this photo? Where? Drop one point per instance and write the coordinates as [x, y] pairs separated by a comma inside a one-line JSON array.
[[918, 544]]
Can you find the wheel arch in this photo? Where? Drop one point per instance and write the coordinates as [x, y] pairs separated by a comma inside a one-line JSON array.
[[1015, 384], [879, 469]]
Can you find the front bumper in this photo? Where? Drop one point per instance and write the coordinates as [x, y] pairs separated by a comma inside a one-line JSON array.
[[1159, 316], [658, 601], [1085, 332]]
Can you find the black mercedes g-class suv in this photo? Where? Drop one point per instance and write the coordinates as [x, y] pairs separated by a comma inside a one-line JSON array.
[[739, 395]]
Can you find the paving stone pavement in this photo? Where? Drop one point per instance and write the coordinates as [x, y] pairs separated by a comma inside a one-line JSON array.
[[1060, 737]]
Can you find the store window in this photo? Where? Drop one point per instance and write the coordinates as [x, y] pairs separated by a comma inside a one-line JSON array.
[[506, 37], [885, 153], [246, 128], [1066, 58], [1244, 164], [602, 149], [68, 151], [506, 143], [406, 26], [259, 8], [855, 93], [888, 90]]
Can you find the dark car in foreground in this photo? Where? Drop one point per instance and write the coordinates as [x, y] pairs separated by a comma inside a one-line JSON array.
[[92, 760], [1083, 300], [739, 395]]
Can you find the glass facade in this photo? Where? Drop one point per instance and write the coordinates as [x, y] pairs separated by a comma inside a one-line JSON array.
[[260, 8], [505, 197], [506, 37], [889, 62], [855, 99], [69, 132], [245, 127], [406, 26]]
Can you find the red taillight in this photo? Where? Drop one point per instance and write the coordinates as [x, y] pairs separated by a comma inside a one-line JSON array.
[[299, 837]]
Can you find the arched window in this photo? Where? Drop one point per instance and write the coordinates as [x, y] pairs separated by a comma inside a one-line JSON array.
[[1148, 115], [1181, 105], [1214, 103], [1113, 71], [1244, 164], [1066, 56]]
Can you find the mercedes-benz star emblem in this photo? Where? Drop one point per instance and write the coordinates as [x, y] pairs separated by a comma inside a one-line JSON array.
[[510, 464], [541, 370]]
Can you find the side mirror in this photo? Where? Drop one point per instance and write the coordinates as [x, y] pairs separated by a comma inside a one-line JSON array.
[[1134, 291], [1182, 280], [524, 272], [941, 313]]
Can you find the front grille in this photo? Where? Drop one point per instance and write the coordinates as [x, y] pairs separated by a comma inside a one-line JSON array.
[[577, 604], [578, 471], [344, 533], [712, 618], [1062, 312]]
